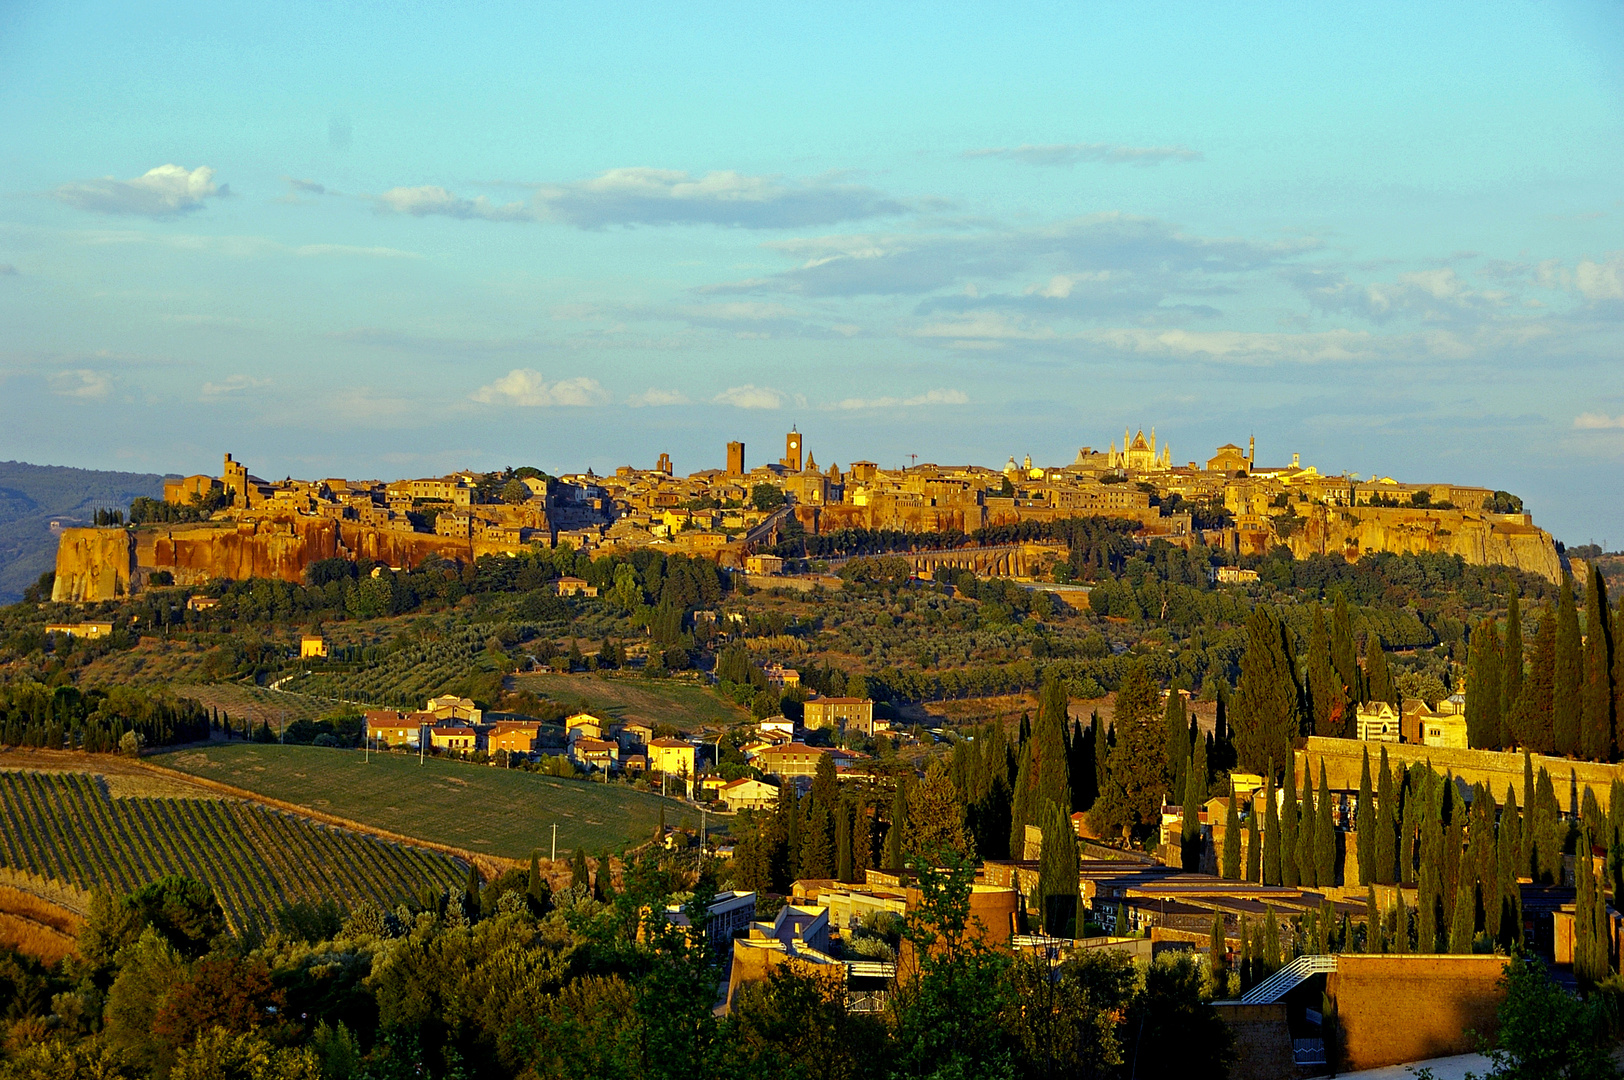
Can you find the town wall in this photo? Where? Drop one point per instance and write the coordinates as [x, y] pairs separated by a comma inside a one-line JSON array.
[[1344, 759], [1393, 1009], [1262, 1040]]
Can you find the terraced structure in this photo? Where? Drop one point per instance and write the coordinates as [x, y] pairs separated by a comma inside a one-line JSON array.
[[66, 828]]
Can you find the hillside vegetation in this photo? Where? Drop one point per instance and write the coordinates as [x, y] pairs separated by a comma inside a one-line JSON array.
[[65, 828], [477, 808]]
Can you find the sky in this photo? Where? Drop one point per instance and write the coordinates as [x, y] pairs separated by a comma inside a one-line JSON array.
[[355, 240]]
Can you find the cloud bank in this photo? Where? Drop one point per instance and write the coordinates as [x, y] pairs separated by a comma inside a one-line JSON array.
[[527, 387], [168, 191]]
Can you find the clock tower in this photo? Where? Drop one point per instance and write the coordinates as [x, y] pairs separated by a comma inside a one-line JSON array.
[[792, 451]]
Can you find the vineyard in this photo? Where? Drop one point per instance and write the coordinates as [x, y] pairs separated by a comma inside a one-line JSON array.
[[64, 827], [406, 676]]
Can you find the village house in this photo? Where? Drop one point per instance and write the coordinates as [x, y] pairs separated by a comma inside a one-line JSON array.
[[312, 645], [455, 738], [574, 586], [583, 725], [842, 713], [781, 678], [790, 760], [451, 707], [747, 794], [675, 757], [513, 736], [90, 630], [594, 753]]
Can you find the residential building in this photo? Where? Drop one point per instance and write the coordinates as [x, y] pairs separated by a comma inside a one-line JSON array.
[[674, 757], [390, 727], [747, 794], [451, 707], [841, 713], [312, 645], [763, 564], [780, 677], [731, 913], [583, 724], [456, 738], [790, 760], [594, 753], [574, 586], [91, 630], [516, 737]]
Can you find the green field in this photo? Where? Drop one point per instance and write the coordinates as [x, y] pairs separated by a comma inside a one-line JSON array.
[[684, 706], [476, 807], [256, 703], [64, 827]]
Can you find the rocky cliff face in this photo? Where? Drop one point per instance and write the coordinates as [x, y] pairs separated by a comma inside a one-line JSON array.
[[102, 564], [1479, 538], [93, 564]]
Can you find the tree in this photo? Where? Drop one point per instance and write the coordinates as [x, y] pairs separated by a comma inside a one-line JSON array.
[[1511, 666], [1230, 865], [1344, 655], [1273, 855], [1043, 776], [1386, 840], [1177, 1031], [1266, 718], [1546, 1032], [1567, 700], [580, 876], [1307, 833], [1218, 956], [1364, 821], [1176, 734], [896, 835], [1377, 676], [1290, 864], [936, 816], [1195, 793], [797, 1017], [515, 491], [1254, 844], [1057, 873], [1597, 741], [843, 852], [1483, 684], [1137, 769], [766, 497], [1325, 689], [603, 882], [1535, 703], [1324, 835]]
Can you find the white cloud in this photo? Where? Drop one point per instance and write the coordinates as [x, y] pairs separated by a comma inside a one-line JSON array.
[[929, 397], [527, 387], [1591, 421], [1071, 153], [654, 396], [165, 192], [750, 396], [1600, 281], [81, 383], [214, 391], [431, 200]]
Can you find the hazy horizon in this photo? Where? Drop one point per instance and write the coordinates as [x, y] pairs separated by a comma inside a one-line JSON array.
[[338, 242]]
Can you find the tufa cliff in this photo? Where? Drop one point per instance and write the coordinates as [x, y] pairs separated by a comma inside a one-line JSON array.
[[104, 564], [1481, 538]]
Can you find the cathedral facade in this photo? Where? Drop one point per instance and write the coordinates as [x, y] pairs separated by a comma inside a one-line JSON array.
[[1139, 454]]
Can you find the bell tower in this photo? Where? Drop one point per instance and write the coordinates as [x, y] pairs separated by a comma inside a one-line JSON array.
[[792, 450]]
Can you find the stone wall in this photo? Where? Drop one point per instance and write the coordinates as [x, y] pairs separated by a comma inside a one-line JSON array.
[[1262, 1040], [1393, 1009], [1344, 758]]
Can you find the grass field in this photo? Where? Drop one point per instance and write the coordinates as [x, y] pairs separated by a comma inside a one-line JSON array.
[[256, 703], [682, 705], [474, 807]]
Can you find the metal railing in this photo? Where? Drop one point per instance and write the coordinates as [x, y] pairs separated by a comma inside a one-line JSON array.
[[1294, 974]]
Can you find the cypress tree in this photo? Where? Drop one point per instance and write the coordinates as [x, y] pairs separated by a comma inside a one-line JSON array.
[[533, 887], [1254, 846], [1218, 958], [1324, 836], [1462, 927], [1273, 855], [1364, 821], [1598, 672], [1483, 688], [1507, 855], [1325, 689], [1344, 654], [1536, 705], [1378, 677], [1426, 935], [1266, 717], [1511, 668], [1229, 867], [1401, 924], [1618, 680], [1057, 873], [1176, 733], [1290, 832], [603, 882], [1386, 827], [1567, 699], [580, 876], [1020, 804], [894, 835], [1247, 967], [1373, 923], [1525, 832], [1548, 833], [1271, 940], [1136, 776], [1195, 792], [470, 895], [1044, 770], [843, 851]]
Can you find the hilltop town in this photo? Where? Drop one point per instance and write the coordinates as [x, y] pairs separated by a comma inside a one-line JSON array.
[[237, 525]]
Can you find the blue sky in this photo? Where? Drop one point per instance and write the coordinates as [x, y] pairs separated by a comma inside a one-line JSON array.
[[346, 240]]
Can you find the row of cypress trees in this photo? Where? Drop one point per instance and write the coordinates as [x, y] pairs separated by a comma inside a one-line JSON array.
[[1570, 698]]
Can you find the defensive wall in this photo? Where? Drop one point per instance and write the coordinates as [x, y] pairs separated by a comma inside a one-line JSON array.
[[1343, 760], [1393, 1009]]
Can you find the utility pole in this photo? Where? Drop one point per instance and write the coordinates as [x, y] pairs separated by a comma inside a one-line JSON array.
[[421, 731], [555, 843], [703, 833]]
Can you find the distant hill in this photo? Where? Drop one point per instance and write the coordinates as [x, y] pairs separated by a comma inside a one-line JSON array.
[[33, 496]]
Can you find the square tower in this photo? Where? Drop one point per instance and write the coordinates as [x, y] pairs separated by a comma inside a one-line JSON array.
[[735, 459], [792, 451]]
